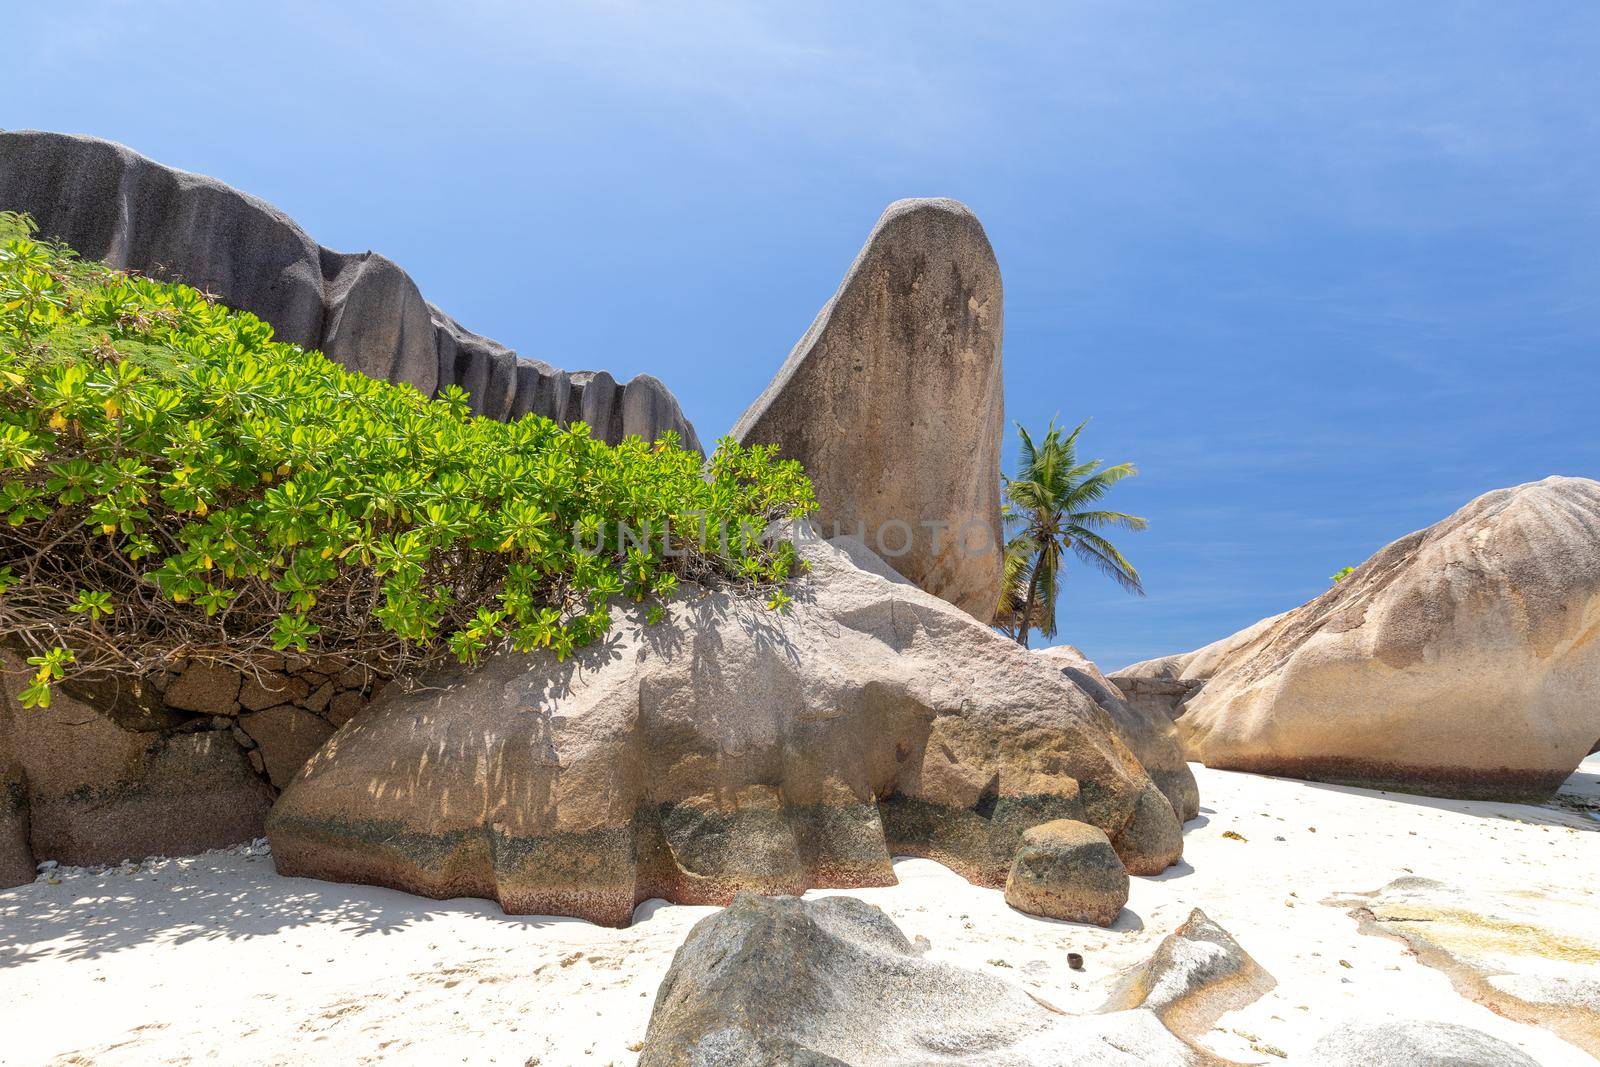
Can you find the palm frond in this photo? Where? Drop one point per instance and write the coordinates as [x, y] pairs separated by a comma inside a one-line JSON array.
[[1027, 453], [1093, 488], [1104, 557], [1018, 558], [1098, 520]]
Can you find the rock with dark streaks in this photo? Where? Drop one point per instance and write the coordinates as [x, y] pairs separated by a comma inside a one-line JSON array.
[[728, 748], [894, 403], [1146, 730], [111, 204]]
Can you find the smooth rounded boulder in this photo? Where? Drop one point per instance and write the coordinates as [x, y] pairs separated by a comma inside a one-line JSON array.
[[1068, 870], [728, 748], [1461, 660], [893, 401], [785, 982], [1415, 1043]]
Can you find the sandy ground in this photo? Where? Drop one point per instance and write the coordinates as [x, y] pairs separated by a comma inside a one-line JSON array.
[[217, 959]]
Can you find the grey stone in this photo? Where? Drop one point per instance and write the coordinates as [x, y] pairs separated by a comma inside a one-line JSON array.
[[893, 401], [114, 205], [1155, 696], [778, 981], [16, 855], [1068, 870], [357, 677], [343, 707], [1197, 974], [268, 688], [1407, 1043], [98, 793], [1152, 838], [319, 698]]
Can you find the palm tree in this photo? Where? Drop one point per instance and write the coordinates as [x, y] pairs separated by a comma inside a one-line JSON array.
[[1051, 506]]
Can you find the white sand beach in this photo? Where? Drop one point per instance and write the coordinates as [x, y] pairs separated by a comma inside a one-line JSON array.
[[217, 959]]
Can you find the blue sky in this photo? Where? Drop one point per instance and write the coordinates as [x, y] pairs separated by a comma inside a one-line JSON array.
[[1325, 272]]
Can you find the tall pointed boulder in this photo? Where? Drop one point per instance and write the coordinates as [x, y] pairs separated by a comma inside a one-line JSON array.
[[893, 400]]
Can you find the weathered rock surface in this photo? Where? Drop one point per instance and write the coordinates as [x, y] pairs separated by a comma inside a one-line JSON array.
[[1198, 974], [1406, 1043], [99, 777], [1188, 671], [728, 748], [775, 982], [112, 204], [287, 737], [1068, 870], [1462, 659], [1532, 956], [1154, 695], [893, 401], [1145, 728], [206, 689], [16, 857], [266, 689], [86, 791]]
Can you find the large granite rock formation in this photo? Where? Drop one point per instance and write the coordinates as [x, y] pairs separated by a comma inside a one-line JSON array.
[[1146, 729], [114, 205], [1462, 659], [782, 982], [191, 761], [81, 789], [728, 748], [893, 401]]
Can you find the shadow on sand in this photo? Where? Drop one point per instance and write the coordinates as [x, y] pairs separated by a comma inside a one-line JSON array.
[[233, 898], [1576, 805]]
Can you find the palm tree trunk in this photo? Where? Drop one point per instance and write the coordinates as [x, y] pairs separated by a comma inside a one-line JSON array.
[[1027, 607]]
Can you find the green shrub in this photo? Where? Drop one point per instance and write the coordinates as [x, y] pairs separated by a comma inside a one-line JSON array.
[[175, 485]]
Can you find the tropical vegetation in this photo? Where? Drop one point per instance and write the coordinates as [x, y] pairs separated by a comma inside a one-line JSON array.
[[1053, 505], [177, 486]]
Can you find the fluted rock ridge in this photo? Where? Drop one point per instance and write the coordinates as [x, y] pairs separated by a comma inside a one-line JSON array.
[[111, 204]]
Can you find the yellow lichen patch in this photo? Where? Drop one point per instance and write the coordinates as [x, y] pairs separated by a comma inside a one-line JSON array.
[[1462, 932]]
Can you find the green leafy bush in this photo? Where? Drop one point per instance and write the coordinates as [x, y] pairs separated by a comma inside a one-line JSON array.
[[175, 485]]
